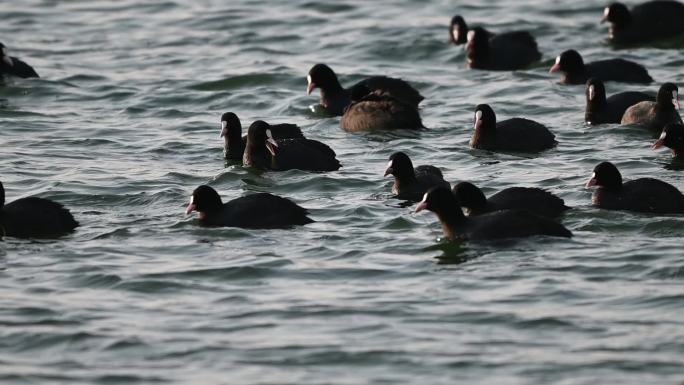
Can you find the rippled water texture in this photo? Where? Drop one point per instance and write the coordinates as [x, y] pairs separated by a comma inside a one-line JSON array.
[[124, 124]]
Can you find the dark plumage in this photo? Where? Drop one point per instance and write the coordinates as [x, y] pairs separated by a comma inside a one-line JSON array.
[[412, 183], [495, 225], [255, 211], [373, 111], [263, 151], [516, 135], [334, 98], [655, 115], [673, 138], [575, 71], [501, 52], [34, 217], [458, 31], [10, 65], [643, 194], [601, 110], [234, 143], [646, 22], [532, 199]]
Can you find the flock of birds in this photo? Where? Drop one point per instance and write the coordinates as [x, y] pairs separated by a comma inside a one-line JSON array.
[[385, 103]]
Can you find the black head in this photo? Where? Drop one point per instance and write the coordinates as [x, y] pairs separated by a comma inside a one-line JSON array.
[[204, 200], [469, 195], [485, 119], [256, 134], [230, 126], [5, 55], [458, 30], [400, 165], [671, 137], [617, 13], [605, 175], [323, 77], [478, 42], [259, 136], [668, 96], [2, 193], [569, 61], [595, 91], [441, 201]]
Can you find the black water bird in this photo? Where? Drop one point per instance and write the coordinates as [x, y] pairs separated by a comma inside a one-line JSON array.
[[376, 111], [334, 98], [255, 211], [575, 71], [514, 135], [644, 194], [10, 65], [234, 143], [496, 225], [501, 52], [34, 217], [647, 22], [672, 137], [655, 115], [264, 151], [411, 183], [535, 200], [600, 110]]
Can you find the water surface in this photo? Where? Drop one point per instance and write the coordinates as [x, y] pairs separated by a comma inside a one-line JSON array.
[[124, 124]]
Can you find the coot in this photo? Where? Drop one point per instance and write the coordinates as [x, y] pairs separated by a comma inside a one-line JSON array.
[[574, 71], [263, 151], [655, 115], [643, 194], [255, 211], [458, 31], [234, 143], [516, 134], [501, 52], [646, 22], [334, 98], [375, 111], [600, 110], [412, 183], [10, 65], [673, 138], [495, 225], [532, 199], [34, 217]]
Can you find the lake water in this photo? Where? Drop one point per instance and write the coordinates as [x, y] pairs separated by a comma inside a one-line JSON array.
[[124, 124]]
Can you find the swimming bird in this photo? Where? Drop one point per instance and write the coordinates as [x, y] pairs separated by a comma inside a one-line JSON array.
[[516, 134], [10, 65], [646, 22], [263, 151], [673, 138], [600, 109], [532, 199], [575, 71], [412, 183], [501, 52], [34, 217], [375, 111], [334, 98], [655, 115], [254, 211], [458, 31], [644, 194], [234, 143], [494, 225]]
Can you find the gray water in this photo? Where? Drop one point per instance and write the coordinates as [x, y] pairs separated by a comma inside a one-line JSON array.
[[124, 124]]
